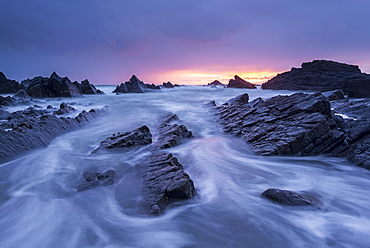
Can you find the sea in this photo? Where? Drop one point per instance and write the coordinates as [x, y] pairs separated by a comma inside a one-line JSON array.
[[41, 208]]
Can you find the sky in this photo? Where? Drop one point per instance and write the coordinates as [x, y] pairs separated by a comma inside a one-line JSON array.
[[185, 42]]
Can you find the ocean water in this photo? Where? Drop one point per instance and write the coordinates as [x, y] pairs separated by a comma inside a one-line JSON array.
[[40, 207]]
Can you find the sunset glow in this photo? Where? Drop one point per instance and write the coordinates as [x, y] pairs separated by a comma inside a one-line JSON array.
[[204, 78]]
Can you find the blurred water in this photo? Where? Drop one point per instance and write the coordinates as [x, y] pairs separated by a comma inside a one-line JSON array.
[[39, 205]]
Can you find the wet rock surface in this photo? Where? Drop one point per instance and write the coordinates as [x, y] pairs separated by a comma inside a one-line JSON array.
[[171, 133], [287, 197], [94, 178], [238, 82], [33, 128], [138, 137], [301, 124], [323, 75], [165, 182]]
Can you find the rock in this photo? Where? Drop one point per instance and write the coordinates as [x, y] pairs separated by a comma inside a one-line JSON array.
[[299, 124], [153, 86], [132, 86], [96, 179], [168, 85], [22, 94], [334, 95], [8, 101], [323, 75], [32, 128], [216, 83], [164, 182], [87, 88], [64, 109], [54, 86], [170, 133], [238, 82], [239, 100], [4, 114], [286, 197], [137, 137], [8, 86]]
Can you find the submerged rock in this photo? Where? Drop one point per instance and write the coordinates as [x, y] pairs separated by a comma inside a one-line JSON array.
[[96, 179], [323, 75], [287, 197], [238, 82], [164, 182]]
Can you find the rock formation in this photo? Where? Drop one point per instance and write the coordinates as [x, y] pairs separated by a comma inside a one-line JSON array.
[[134, 85], [301, 124], [87, 88], [168, 85], [8, 86], [238, 82], [323, 75], [34, 128], [287, 197], [93, 179], [216, 83]]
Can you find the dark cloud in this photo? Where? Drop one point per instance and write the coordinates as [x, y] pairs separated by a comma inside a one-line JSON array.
[[107, 41]]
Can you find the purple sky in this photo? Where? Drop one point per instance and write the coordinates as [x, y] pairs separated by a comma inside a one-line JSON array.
[[186, 42]]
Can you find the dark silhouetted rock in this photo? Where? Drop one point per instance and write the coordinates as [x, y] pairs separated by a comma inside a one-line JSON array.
[[96, 179], [33, 128], [21, 94], [87, 88], [64, 109], [299, 124], [8, 86], [132, 86], [8, 101], [153, 86], [238, 82], [168, 85], [239, 100], [54, 86], [323, 75], [334, 95], [137, 137], [171, 134], [164, 182], [216, 83], [286, 197]]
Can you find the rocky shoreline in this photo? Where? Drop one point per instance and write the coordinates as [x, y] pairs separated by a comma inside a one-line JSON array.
[[301, 125]]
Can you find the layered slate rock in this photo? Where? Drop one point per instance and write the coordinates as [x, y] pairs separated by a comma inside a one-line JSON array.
[[299, 124], [287, 197], [164, 182], [238, 82], [138, 137], [94, 178], [34, 128], [323, 75], [134, 85], [171, 133], [8, 86]]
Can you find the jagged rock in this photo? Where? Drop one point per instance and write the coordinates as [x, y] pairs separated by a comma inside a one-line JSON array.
[[64, 109], [88, 88], [334, 95], [96, 179], [34, 128], [168, 85], [299, 124], [287, 197], [164, 182], [8, 101], [137, 137], [216, 83], [8, 86], [239, 100], [132, 86], [323, 75], [153, 86], [21, 94], [4, 114], [238, 82], [54, 86], [170, 133]]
